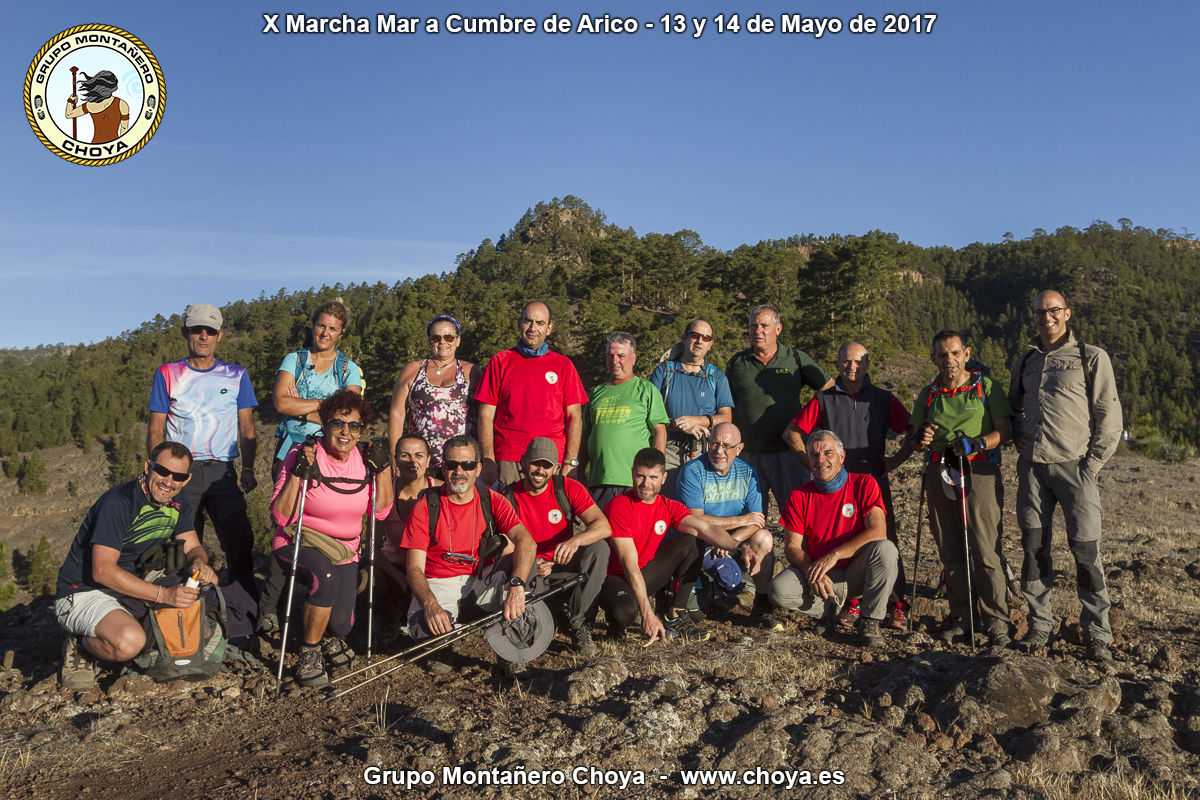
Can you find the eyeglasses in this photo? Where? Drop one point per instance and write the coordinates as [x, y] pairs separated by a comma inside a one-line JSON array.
[[459, 558], [442, 337], [1054, 312], [466, 466], [704, 337], [338, 424], [178, 477], [196, 330], [724, 446]]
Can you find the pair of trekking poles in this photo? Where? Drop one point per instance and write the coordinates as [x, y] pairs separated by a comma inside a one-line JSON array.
[[962, 496], [305, 479]]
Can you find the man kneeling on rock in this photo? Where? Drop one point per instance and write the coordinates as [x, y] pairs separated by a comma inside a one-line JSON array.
[[102, 566], [836, 543]]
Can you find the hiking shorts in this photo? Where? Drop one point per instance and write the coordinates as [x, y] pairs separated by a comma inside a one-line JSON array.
[[80, 612]]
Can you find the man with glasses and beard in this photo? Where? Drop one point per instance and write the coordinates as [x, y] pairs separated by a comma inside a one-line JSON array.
[[208, 406], [443, 557]]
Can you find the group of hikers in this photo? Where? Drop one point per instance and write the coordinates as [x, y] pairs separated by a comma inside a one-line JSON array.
[[644, 499]]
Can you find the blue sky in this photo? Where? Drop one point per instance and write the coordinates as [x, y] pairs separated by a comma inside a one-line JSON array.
[[288, 161]]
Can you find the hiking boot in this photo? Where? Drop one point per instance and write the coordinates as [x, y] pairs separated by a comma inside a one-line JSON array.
[[998, 637], [1034, 641], [898, 618], [773, 621], [310, 672], [1098, 651], [581, 642], [336, 652], [953, 632], [868, 632], [682, 627], [849, 615], [78, 670], [269, 623], [515, 671], [745, 596]]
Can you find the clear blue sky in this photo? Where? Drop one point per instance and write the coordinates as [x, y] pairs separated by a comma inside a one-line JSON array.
[[287, 161]]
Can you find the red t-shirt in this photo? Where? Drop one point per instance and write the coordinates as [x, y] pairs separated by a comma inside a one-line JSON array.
[[458, 530], [531, 396], [827, 520], [541, 515], [645, 523]]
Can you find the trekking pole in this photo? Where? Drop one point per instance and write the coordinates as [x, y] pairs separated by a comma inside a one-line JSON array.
[[371, 568], [912, 600], [75, 94], [436, 643], [962, 493], [287, 609]]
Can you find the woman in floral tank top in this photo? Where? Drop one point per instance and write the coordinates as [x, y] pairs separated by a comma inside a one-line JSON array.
[[433, 396]]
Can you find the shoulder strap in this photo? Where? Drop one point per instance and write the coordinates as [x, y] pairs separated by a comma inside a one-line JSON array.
[[433, 502], [485, 505], [667, 384], [560, 496], [1088, 379], [341, 366], [301, 363], [510, 494]]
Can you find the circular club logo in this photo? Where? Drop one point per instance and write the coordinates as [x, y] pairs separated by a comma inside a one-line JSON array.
[[555, 516], [94, 95], [551, 378], [848, 510], [660, 527]]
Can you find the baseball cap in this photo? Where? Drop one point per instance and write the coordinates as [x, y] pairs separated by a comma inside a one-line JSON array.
[[542, 449], [202, 314]]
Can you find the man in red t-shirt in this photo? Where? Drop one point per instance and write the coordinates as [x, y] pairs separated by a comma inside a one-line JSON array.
[[645, 559], [561, 552], [527, 392], [440, 566], [836, 543]]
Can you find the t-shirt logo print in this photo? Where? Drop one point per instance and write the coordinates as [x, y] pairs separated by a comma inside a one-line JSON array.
[[660, 527], [555, 516], [848, 510], [551, 378]]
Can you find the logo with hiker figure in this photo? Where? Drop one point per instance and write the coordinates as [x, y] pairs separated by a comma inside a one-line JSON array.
[[94, 95]]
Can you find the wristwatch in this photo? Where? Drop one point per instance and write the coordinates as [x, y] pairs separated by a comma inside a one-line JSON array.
[[573, 462], [517, 582]]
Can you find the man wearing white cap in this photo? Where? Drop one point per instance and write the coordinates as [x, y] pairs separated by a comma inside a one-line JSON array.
[[208, 405]]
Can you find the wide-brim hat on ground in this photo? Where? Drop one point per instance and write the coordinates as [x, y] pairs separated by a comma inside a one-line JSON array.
[[524, 638]]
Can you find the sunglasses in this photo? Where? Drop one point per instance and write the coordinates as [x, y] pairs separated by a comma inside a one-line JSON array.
[[178, 477], [467, 466], [459, 558], [338, 424], [442, 337], [704, 337], [196, 330]]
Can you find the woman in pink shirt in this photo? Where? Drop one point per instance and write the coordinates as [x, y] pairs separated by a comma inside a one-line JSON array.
[[338, 496]]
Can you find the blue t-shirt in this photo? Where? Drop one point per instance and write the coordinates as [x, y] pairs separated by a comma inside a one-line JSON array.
[[125, 519], [691, 395], [202, 406], [730, 495], [311, 385]]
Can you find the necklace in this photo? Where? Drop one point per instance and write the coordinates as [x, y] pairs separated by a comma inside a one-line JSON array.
[[439, 367]]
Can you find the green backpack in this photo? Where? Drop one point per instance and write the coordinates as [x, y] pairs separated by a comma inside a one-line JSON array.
[[188, 643]]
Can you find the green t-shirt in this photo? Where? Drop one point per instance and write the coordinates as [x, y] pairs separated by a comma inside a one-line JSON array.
[[767, 396], [963, 410], [618, 421]]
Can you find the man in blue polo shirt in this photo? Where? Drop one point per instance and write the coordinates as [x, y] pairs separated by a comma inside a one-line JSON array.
[[696, 395], [208, 405], [723, 490]]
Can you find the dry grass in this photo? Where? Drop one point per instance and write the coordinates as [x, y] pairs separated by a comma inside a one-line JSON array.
[[1100, 786]]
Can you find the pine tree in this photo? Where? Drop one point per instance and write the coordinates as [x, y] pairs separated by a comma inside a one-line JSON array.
[[42, 571], [34, 478]]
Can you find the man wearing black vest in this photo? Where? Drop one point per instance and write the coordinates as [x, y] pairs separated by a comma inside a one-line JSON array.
[[548, 505], [1068, 426], [861, 414]]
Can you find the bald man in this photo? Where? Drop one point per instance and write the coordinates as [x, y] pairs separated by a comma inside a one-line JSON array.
[[1068, 426], [861, 414], [528, 392]]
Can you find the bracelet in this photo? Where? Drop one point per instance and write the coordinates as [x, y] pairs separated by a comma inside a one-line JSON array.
[[158, 595], [710, 420]]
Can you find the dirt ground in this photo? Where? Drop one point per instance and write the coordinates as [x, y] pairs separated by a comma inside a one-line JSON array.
[[915, 718]]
